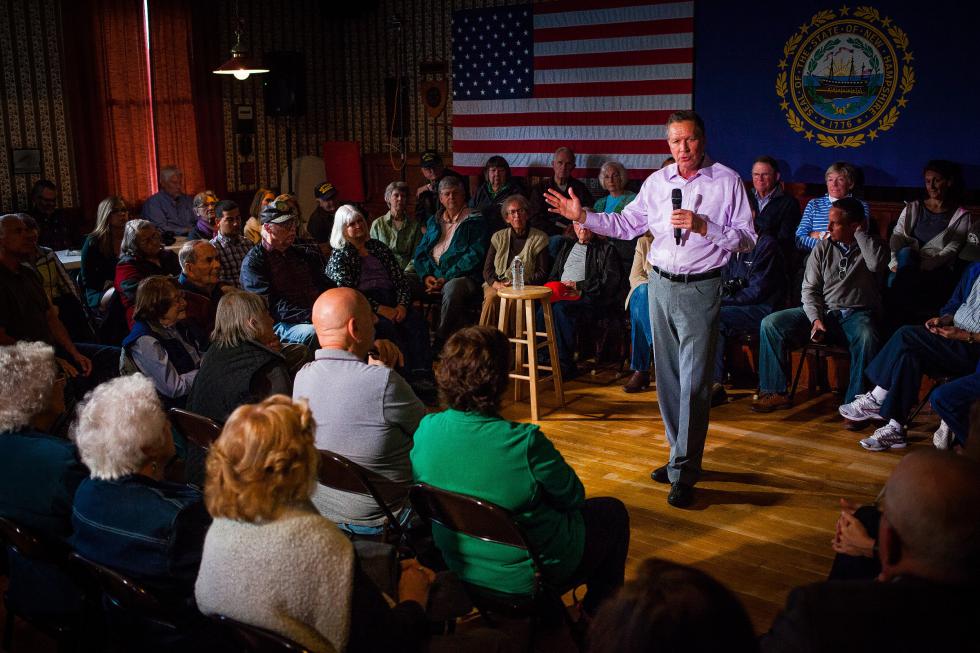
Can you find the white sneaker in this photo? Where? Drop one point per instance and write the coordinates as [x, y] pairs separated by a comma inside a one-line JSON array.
[[884, 438], [943, 438], [863, 408]]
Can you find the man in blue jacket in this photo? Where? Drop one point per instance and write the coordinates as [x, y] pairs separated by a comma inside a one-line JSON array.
[[754, 285], [948, 345]]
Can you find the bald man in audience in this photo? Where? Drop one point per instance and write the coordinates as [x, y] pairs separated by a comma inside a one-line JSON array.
[[926, 597], [363, 409]]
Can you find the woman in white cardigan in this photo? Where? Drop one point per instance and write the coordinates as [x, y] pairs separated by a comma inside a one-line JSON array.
[[272, 561], [925, 247]]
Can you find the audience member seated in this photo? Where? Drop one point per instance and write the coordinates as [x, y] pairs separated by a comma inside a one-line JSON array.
[[125, 516], [160, 346], [232, 246], [198, 281], [952, 401], [302, 578], [638, 304], [363, 409], [39, 472], [427, 201], [753, 285], [586, 281], [948, 345], [204, 211], [320, 222], [518, 240], [396, 229], [929, 548], [101, 251], [496, 185], [450, 256], [469, 448], [563, 163], [841, 297], [613, 178], [142, 256], [672, 607], [59, 287], [925, 246], [815, 224], [369, 266], [170, 209], [55, 232], [26, 313], [253, 226], [776, 213], [288, 276], [244, 363]]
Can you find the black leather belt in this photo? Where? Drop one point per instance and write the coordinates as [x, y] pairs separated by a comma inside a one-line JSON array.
[[686, 278]]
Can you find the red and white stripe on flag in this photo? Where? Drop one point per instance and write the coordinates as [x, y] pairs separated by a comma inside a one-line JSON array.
[[607, 73]]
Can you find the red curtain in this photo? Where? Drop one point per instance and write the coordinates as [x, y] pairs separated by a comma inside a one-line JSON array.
[[174, 118], [107, 90]]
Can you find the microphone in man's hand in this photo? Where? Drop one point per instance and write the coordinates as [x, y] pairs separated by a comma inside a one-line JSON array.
[[675, 199]]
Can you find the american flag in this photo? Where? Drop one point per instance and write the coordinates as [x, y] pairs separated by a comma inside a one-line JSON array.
[[598, 76]]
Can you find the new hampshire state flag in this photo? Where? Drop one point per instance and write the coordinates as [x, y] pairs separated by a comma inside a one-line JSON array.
[[886, 86]]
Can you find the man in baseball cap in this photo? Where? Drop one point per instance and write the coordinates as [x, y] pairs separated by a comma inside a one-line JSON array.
[[426, 197], [320, 223]]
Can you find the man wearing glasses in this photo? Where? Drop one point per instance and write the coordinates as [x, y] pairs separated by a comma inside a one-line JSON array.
[[288, 276], [232, 246], [841, 298]]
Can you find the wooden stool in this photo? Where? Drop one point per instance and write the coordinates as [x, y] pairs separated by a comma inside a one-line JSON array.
[[524, 340]]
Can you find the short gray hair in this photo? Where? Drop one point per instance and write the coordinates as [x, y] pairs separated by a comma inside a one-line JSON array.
[[119, 423], [237, 318], [688, 115], [450, 181], [188, 251], [27, 374], [618, 167], [510, 200], [166, 172], [344, 216], [3, 218], [563, 148], [844, 169], [392, 187], [202, 196], [128, 247]]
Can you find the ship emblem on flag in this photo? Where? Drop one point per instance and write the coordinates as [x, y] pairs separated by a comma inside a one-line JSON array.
[[845, 76]]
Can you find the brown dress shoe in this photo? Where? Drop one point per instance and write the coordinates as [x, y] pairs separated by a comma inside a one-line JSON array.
[[639, 382], [771, 401]]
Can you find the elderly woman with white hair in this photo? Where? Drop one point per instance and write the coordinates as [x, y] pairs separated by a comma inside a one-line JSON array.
[[204, 203], [125, 515], [369, 266], [396, 228], [141, 255], [39, 472], [841, 177], [613, 178]]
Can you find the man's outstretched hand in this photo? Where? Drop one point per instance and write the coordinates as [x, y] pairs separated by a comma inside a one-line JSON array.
[[567, 207]]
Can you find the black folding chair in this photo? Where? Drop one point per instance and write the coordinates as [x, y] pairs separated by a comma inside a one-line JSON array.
[[339, 473], [820, 351], [481, 519], [198, 429], [255, 639]]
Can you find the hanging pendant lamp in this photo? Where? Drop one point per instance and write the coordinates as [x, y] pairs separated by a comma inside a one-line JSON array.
[[240, 65]]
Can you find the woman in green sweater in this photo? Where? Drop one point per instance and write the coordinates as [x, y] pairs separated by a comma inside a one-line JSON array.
[[469, 448]]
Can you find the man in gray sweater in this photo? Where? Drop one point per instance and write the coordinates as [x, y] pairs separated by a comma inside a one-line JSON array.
[[363, 409], [841, 300]]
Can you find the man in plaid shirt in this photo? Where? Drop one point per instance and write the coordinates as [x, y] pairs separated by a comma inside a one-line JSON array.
[[230, 243]]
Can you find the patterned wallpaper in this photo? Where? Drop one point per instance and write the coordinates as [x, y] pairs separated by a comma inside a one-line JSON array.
[[32, 108], [349, 53]]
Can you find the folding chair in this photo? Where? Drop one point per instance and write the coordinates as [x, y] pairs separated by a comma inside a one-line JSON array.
[[820, 351], [200, 430], [255, 639]]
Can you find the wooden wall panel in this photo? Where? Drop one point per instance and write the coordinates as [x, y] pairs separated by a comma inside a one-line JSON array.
[[32, 108]]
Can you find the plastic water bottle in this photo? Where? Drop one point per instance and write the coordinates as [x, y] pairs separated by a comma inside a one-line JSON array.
[[517, 274]]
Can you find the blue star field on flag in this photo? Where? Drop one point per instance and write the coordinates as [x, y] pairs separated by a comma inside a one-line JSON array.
[[493, 53]]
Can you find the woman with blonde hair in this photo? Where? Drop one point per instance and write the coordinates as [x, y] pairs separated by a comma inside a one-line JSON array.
[[304, 582], [101, 249], [253, 226]]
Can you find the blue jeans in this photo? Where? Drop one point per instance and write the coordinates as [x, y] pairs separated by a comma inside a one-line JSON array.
[[785, 330], [736, 321], [404, 517], [911, 351], [566, 314], [952, 402], [641, 335], [303, 334]]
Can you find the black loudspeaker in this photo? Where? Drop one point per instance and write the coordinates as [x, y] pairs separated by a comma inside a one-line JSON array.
[[285, 83], [396, 107]]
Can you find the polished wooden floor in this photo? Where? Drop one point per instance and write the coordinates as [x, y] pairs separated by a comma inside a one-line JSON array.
[[768, 500]]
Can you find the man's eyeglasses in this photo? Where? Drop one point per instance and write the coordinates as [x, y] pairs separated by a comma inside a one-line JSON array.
[[842, 268]]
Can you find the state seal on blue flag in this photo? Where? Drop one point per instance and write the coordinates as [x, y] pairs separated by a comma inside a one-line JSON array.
[[845, 76]]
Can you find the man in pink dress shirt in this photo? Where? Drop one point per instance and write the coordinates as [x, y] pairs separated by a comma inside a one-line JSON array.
[[715, 220]]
